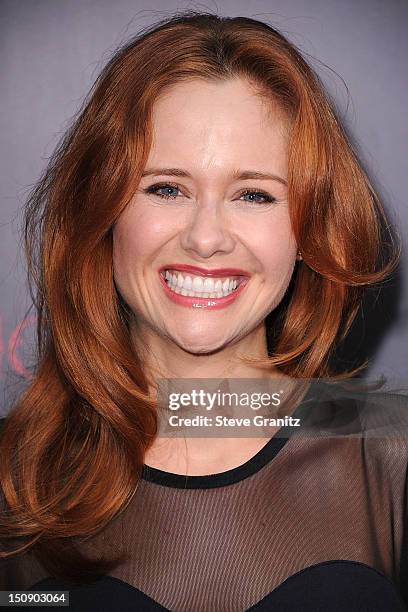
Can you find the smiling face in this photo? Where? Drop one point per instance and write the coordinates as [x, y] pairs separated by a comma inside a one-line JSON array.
[[211, 132]]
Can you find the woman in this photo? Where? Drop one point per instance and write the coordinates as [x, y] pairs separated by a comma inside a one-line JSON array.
[[205, 217]]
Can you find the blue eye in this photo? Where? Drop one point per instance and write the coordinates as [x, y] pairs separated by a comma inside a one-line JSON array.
[[267, 198], [168, 187]]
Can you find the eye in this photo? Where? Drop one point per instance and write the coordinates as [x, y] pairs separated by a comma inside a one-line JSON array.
[[268, 199], [167, 187]]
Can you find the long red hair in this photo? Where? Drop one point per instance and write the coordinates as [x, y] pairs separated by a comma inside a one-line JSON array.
[[73, 445]]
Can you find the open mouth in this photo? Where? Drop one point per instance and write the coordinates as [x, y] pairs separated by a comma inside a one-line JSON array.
[[192, 285]]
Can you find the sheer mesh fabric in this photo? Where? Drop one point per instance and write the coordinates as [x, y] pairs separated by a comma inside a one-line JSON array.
[[224, 542]]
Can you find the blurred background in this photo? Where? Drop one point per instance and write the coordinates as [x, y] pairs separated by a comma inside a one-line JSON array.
[[53, 50]]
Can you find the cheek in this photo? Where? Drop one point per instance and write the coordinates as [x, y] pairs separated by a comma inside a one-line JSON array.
[[122, 252], [274, 245], [138, 236]]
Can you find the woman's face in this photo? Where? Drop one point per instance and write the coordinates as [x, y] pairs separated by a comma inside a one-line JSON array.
[[210, 133]]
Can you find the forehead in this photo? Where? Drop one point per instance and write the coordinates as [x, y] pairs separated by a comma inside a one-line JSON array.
[[218, 123]]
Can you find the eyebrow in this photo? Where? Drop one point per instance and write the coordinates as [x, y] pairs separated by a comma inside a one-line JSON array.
[[241, 175]]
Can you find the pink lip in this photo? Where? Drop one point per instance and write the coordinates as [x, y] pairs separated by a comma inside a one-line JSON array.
[[196, 302], [216, 272]]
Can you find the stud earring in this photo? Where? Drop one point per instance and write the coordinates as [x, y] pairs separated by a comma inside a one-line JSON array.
[[299, 256]]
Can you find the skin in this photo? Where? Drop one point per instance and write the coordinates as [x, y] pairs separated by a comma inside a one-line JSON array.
[[209, 130]]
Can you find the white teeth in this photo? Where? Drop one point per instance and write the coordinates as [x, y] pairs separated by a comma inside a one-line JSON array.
[[198, 286], [187, 284], [179, 281], [208, 284]]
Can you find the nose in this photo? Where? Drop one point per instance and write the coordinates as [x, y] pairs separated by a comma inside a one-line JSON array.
[[207, 232]]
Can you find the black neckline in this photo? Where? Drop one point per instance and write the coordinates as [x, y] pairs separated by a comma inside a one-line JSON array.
[[240, 472]]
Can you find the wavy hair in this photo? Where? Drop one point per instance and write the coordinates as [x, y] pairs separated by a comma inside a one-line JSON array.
[[72, 447]]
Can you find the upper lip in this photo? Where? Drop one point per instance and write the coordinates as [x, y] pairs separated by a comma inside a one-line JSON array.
[[215, 272]]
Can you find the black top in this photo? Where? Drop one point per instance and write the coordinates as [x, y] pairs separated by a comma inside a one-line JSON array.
[[315, 521]]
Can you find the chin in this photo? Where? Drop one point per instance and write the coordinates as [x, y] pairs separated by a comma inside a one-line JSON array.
[[197, 347]]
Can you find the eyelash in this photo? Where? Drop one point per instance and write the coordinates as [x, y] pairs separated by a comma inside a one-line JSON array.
[[154, 188]]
